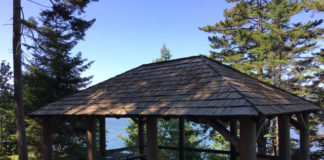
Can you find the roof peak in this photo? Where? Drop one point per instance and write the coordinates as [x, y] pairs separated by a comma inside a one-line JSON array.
[[174, 60]]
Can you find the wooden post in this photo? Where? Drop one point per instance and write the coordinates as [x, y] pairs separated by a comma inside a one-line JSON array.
[[47, 139], [91, 138], [181, 138], [304, 138], [102, 128], [284, 138], [152, 144], [141, 136], [233, 130], [247, 139]]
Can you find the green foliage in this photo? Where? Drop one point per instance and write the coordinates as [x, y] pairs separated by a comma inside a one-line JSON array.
[[165, 54], [54, 72], [258, 37], [7, 112]]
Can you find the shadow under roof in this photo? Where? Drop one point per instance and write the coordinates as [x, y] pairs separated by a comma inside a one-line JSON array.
[[192, 86]]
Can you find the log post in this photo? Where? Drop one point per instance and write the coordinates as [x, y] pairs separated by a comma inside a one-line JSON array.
[[91, 139], [47, 138], [181, 138], [247, 139], [141, 136], [102, 130], [304, 138], [152, 143], [233, 130], [284, 138]]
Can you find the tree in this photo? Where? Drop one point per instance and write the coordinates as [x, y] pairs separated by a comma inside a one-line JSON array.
[[258, 38], [54, 72], [7, 114], [18, 100], [165, 54]]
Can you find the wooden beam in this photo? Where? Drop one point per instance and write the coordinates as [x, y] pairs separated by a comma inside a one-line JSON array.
[[261, 140], [102, 130], [301, 120], [304, 137], [47, 138], [181, 138], [152, 143], [109, 151], [57, 122], [295, 123], [135, 120], [91, 139], [233, 130], [224, 132], [247, 139], [195, 149], [260, 127], [141, 136], [284, 138]]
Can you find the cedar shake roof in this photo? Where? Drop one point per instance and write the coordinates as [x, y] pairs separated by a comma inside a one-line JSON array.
[[193, 86]]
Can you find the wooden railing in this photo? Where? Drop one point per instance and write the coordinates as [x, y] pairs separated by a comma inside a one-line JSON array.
[[121, 149], [186, 149]]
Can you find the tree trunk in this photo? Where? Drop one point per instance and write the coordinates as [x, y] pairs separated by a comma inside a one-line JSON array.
[[18, 104]]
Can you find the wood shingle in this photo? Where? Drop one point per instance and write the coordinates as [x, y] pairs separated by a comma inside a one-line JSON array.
[[193, 86]]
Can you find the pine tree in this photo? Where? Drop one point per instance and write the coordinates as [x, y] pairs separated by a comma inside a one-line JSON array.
[[258, 38], [165, 54], [52, 60], [7, 113], [54, 72]]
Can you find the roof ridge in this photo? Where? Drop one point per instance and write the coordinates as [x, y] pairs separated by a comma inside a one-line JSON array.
[[270, 85], [172, 60], [244, 97]]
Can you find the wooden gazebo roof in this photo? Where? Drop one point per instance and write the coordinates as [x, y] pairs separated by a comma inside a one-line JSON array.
[[193, 86]]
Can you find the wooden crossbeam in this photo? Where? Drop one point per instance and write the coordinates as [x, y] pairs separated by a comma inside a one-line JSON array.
[[260, 126], [301, 120], [295, 123], [223, 131], [57, 121]]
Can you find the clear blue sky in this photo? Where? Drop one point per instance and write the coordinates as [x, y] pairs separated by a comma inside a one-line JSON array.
[[128, 33]]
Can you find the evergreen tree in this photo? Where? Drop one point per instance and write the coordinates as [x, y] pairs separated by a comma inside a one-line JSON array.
[[258, 38], [54, 72], [165, 54], [7, 113]]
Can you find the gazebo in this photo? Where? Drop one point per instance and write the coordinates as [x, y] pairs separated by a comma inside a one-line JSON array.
[[194, 88]]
